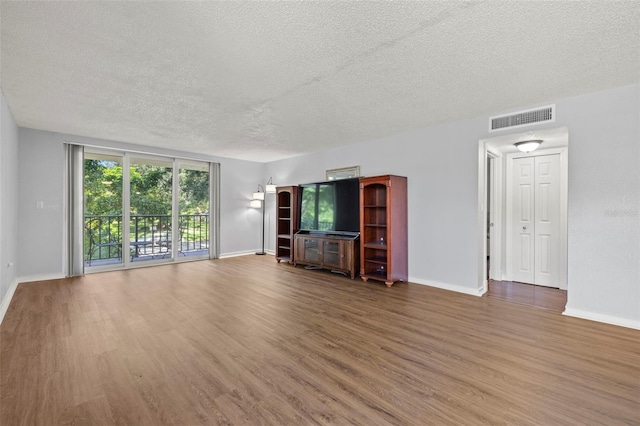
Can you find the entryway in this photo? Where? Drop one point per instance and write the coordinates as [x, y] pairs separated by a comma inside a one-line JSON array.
[[523, 214]]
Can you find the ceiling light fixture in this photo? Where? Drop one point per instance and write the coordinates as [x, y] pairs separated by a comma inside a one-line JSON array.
[[528, 146]]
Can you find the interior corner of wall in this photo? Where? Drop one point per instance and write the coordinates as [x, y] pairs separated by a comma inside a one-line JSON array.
[[6, 300]]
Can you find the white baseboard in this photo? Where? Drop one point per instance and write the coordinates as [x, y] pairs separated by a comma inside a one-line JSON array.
[[243, 253], [43, 277], [608, 319], [450, 287], [6, 300]]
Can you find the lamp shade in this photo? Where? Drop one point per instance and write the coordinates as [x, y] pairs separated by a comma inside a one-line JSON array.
[[528, 146], [258, 195], [255, 204], [270, 186]]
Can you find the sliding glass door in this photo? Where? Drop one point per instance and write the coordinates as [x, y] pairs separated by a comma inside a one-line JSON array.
[[194, 206], [150, 207], [168, 203], [103, 225]]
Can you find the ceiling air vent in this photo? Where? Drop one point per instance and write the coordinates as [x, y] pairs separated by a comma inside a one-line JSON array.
[[523, 118]]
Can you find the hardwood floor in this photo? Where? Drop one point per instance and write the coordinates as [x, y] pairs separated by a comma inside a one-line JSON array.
[[528, 294], [249, 341]]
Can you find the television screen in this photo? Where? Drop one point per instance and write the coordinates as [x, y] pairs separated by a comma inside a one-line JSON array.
[[330, 206]]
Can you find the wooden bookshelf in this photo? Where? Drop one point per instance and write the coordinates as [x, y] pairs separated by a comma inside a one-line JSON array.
[[383, 229], [286, 222]]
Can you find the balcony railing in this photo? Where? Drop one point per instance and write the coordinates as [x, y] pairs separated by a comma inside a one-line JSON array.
[[150, 237]]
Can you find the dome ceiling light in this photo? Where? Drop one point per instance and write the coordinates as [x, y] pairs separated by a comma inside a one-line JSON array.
[[528, 146]]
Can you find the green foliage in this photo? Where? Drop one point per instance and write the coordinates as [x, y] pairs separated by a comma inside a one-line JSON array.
[[194, 191], [102, 187], [151, 189]]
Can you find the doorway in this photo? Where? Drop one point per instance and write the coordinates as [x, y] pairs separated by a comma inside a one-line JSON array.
[[496, 232]]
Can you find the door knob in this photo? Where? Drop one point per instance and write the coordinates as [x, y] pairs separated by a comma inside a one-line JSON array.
[[524, 228]]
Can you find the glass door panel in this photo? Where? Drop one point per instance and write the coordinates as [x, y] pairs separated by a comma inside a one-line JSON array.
[[311, 250], [102, 210], [193, 210], [150, 220], [331, 253]]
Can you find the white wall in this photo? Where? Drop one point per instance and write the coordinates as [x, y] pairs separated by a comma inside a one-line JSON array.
[[441, 165], [8, 205], [41, 178], [604, 205]]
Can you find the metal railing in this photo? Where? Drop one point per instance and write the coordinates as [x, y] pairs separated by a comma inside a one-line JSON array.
[[150, 236]]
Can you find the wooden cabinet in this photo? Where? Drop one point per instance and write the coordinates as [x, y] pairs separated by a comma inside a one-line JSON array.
[[286, 222], [334, 252], [383, 229]]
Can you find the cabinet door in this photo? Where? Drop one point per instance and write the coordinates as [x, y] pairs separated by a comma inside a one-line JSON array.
[[332, 254], [311, 250]]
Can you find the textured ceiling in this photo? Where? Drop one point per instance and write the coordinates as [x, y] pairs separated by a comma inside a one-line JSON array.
[[268, 80]]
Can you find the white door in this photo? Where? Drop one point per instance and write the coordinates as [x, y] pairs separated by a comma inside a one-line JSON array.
[[536, 220], [547, 220], [523, 224]]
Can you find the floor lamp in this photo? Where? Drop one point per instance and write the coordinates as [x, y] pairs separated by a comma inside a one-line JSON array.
[[259, 196]]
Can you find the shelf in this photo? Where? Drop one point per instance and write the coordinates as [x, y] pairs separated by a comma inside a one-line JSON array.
[[284, 207], [284, 218], [377, 246], [286, 258], [284, 247], [376, 275], [375, 225], [287, 236], [375, 206], [377, 260]]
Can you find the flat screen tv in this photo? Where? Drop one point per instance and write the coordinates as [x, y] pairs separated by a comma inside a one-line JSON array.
[[331, 207]]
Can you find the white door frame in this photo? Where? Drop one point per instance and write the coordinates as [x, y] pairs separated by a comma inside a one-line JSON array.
[[485, 150], [495, 198], [564, 163]]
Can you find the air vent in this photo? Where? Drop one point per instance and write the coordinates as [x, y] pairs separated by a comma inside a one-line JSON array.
[[523, 118]]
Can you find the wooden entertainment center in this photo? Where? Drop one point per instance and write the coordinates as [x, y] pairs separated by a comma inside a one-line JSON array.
[[335, 252], [378, 252]]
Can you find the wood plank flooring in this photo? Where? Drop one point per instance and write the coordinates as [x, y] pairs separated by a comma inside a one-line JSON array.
[[528, 294], [248, 341]]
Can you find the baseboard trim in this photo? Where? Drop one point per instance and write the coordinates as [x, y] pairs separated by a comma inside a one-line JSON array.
[[608, 319], [43, 277], [243, 253], [450, 287], [6, 300]]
